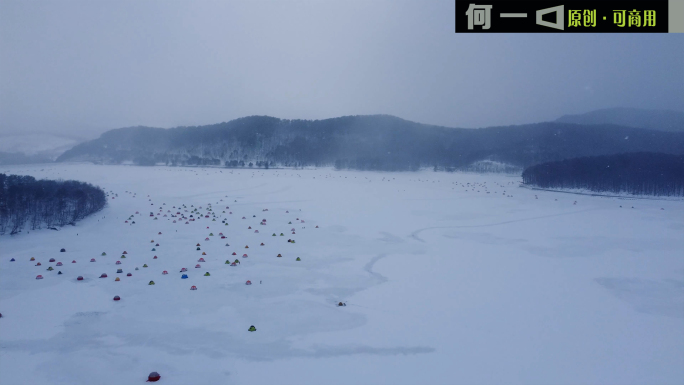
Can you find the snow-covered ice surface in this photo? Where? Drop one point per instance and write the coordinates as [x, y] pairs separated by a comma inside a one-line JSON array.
[[444, 284]]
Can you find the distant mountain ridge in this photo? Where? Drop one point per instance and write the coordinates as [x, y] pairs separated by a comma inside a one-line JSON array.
[[662, 120], [374, 142], [33, 147]]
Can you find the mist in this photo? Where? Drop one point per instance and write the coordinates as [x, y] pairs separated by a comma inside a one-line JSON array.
[[79, 68]]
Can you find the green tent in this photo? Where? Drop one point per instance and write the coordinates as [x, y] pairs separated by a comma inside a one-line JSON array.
[[207, 274], [252, 328], [151, 283], [145, 265], [227, 262], [273, 235], [298, 259], [103, 253], [198, 248]]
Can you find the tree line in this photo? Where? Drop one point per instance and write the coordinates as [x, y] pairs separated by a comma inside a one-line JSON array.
[[25, 201], [641, 173]]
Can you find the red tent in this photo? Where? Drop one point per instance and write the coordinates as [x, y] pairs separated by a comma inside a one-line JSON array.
[[153, 377], [248, 283]]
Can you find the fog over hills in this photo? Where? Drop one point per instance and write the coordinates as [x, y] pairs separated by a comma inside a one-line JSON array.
[[664, 120], [377, 142]]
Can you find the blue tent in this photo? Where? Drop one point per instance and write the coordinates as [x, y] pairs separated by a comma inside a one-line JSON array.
[[184, 276]]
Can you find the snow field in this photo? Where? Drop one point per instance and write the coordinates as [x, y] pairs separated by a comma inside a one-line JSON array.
[[444, 283]]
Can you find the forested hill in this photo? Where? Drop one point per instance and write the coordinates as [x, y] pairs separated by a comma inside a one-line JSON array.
[[377, 142], [635, 173], [29, 203]]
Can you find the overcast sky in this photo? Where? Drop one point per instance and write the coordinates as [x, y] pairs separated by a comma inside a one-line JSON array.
[[82, 67]]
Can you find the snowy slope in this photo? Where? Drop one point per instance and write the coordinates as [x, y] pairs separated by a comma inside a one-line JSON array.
[[46, 145], [444, 282]]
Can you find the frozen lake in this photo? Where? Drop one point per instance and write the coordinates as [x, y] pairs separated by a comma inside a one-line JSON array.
[[448, 278]]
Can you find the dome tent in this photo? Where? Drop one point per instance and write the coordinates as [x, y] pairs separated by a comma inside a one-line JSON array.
[[252, 329], [153, 377], [184, 276], [207, 274], [151, 283], [51, 260], [298, 259], [62, 250], [59, 264], [129, 275]]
